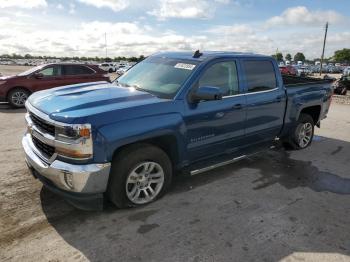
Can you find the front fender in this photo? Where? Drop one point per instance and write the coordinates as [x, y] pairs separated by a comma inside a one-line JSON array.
[[114, 136]]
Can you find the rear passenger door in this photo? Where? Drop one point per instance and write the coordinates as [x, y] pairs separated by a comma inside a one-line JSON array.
[[266, 100], [75, 74]]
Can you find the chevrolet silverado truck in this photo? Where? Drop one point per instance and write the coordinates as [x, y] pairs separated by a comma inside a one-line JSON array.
[[175, 111]]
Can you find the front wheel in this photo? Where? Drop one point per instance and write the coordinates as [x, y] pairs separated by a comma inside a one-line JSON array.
[[302, 135], [17, 97], [140, 174]]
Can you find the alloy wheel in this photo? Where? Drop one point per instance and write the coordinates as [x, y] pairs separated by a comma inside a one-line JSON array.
[[19, 98], [144, 182], [305, 135]]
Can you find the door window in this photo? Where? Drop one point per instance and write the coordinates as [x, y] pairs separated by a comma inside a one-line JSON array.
[[51, 71], [222, 75], [260, 75]]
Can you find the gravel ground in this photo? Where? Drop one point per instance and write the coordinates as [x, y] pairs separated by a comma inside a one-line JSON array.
[[278, 205]]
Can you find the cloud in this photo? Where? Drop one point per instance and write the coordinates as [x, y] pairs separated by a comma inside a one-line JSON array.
[[115, 5], [28, 4], [300, 15], [59, 6], [71, 9], [199, 9], [237, 29], [225, 2], [47, 35]]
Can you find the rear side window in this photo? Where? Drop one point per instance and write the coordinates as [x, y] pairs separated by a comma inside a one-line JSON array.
[[260, 75], [77, 70], [222, 75]]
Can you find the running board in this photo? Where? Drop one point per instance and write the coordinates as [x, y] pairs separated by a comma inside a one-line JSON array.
[[205, 169]]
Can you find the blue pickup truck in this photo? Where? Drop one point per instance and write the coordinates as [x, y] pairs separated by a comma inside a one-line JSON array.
[[172, 112]]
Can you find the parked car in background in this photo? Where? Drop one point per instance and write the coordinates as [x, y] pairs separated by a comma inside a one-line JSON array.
[[288, 70], [346, 71], [303, 70], [342, 85], [122, 69], [108, 67], [16, 89], [171, 112]]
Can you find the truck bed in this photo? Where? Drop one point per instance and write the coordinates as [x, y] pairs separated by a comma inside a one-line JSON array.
[[296, 81]]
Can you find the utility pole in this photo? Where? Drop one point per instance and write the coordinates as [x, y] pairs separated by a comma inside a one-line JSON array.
[[106, 44], [324, 45]]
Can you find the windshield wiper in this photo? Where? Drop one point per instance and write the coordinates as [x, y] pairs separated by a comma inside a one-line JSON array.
[[137, 87]]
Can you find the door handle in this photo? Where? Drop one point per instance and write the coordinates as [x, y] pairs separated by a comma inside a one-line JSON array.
[[237, 106]]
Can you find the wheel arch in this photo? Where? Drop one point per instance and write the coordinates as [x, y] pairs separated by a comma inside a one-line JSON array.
[[314, 111], [167, 142]]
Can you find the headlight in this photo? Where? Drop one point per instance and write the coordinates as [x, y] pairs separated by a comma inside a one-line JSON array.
[[74, 141], [2, 82]]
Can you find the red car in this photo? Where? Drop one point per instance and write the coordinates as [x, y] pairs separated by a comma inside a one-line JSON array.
[[288, 70], [16, 89]]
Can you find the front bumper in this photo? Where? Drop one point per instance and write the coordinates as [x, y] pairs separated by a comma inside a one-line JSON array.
[[74, 182]]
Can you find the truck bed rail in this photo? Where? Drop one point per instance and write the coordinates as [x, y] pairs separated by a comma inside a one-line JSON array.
[[294, 81]]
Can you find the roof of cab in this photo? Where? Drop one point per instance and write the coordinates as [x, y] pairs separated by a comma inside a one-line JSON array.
[[206, 55]]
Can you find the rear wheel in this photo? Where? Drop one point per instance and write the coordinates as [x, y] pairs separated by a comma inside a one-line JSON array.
[[17, 97], [140, 174], [301, 136]]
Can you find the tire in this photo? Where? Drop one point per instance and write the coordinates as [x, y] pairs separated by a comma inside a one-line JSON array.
[[110, 70], [301, 136], [130, 165], [17, 97]]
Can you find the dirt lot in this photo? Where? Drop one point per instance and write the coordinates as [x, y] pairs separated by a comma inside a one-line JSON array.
[[278, 205]]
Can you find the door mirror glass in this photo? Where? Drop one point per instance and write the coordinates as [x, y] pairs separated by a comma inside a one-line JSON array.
[[206, 93]]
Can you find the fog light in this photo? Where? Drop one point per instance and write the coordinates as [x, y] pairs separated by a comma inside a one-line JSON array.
[[68, 178]]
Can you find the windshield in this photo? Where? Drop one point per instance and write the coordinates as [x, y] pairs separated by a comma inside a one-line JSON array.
[[160, 76], [32, 70]]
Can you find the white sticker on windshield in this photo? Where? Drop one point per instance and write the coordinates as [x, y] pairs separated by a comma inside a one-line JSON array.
[[184, 66]]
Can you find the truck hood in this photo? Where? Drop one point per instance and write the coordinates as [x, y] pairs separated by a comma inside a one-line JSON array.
[[86, 99]]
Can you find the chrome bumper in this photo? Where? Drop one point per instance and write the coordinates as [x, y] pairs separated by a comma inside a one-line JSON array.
[[91, 178]]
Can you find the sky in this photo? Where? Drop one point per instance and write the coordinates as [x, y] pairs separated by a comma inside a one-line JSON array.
[[135, 27]]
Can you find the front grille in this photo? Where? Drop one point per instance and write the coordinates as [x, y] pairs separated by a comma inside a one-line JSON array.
[[46, 150], [43, 125]]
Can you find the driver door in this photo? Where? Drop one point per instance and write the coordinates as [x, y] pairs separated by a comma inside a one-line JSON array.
[[216, 127]]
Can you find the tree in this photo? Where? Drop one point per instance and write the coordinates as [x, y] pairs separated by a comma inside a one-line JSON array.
[[299, 57], [288, 57], [133, 59], [342, 55], [141, 57], [278, 56]]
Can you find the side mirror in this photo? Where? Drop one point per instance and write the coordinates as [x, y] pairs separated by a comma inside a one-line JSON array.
[[205, 93], [38, 75]]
